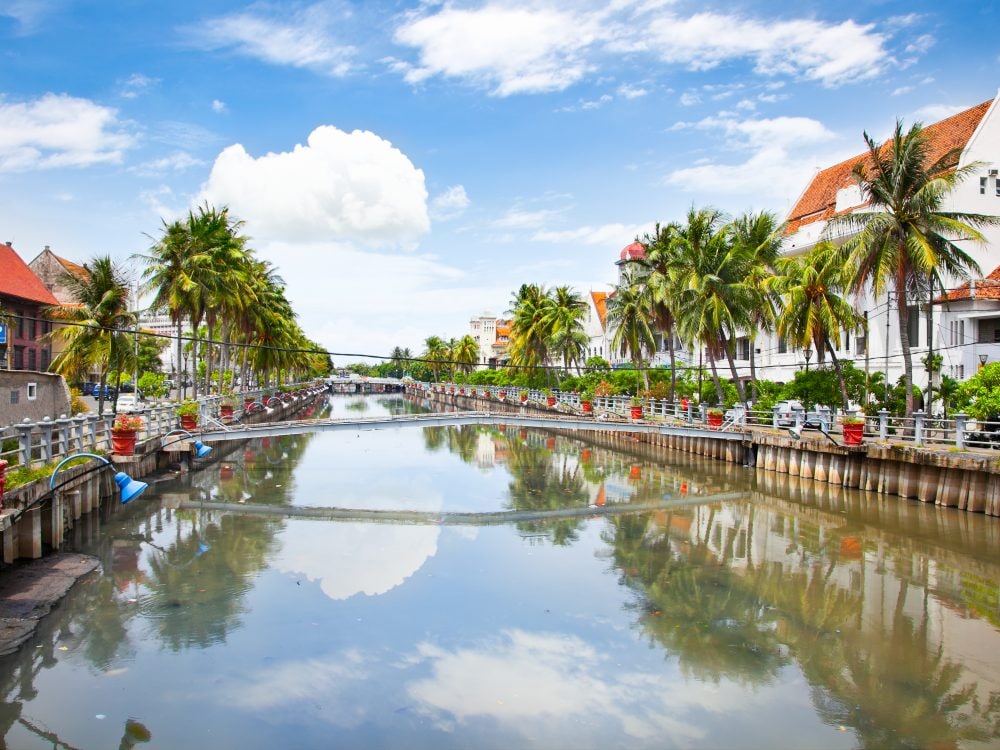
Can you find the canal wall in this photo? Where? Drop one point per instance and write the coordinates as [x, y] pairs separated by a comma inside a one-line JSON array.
[[947, 477], [35, 520]]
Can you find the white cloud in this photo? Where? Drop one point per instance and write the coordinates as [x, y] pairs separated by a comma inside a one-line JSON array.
[[627, 91], [921, 44], [689, 99], [56, 130], [218, 106], [782, 156], [517, 218], [137, 84], [178, 161], [613, 235], [533, 48], [28, 13], [302, 39], [451, 203], [339, 186], [902, 90], [935, 112], [511, 50]]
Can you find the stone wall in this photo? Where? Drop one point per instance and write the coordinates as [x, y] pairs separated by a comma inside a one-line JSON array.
[[49, 397]]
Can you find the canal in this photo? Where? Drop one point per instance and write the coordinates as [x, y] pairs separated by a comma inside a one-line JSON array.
[[740, 611]]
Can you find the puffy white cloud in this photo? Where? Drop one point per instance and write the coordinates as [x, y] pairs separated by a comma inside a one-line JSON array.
[[451, 203], [302, 39], [509, 49], [536, 47], [178, 161], [338, 186], [137, 84], [612, 235], [57, 130], [218, 106], [517, 218]]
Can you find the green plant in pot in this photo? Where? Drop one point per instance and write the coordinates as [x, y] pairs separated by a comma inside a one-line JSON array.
[[188, 412], [587, 400]]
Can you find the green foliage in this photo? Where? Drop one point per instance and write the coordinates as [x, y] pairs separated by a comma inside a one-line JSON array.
[[819, 386], [187, 409], [597, 364], [729, 393], [152, 384], [76, 403], [896, 403], [982, 392]]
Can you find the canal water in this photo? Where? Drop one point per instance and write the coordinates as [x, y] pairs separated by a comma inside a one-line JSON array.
[[725, 610]]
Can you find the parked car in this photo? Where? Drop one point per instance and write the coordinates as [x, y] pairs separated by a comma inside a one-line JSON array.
[[786, 411], [129, 402]]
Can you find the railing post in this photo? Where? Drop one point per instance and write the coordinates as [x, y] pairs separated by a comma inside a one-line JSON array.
[[800, 417], [703, 412], [109, 420], [883, 424], [64, 423], [92, 429], [918, 428], [24, 441], [690, 413], [80, 422], [960, 429], [774, 417], [824, 417], [47, 427]]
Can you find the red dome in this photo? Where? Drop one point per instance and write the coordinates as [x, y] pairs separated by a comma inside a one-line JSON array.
[[635, 251]]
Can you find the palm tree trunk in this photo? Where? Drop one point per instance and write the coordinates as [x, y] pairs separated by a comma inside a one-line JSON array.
[[840, 373], [903, 315], [100, 392], [753, 373], [732, 367], [673, 366], [180, 375], [715, 378]]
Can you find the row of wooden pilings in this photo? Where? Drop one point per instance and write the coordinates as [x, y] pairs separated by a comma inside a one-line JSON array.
[[43, 527], [964, 480]]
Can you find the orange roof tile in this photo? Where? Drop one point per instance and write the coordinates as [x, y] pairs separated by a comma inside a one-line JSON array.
[[77, 270], [987, 288], [17, 280], [819, 201], [600, 303]]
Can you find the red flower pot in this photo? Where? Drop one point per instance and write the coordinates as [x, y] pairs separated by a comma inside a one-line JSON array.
[[588, 407], [524, 397], [551, 401], [123, 442], [503, 395], [550, 443], [636, 412], [635, 471], [854, 433], [247, 403], [714, 421], [226, 411], [189, 422]]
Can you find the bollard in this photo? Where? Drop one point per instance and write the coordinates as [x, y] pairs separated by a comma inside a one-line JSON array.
[[824, 417], [109, 420], [24, 441], [47, 427], [79, 425], [918, 428], [774, 417], [960, 429], [883, 424], [92, 429], [64, 423]]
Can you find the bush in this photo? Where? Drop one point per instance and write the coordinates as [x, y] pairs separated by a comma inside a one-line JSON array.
[[982, 391]]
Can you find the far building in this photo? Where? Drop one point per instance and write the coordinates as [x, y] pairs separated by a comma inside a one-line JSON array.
[[492, 334], [52, 270], [22, 299]]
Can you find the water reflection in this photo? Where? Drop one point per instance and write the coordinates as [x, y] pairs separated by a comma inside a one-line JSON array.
[[781, 616]]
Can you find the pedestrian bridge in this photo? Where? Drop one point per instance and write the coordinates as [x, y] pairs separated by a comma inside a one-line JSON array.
[[237, 431]]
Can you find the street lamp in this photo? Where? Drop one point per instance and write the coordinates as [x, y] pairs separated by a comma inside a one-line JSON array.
[[808, 352], [982, 360], [130, 488]]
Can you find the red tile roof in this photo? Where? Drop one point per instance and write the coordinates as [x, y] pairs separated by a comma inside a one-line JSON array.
[[635, 251], [988, 288], [77, 270], [819, 201], [17, 280]]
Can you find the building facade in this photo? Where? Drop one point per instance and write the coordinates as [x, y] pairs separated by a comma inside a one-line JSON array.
[[23, 298]]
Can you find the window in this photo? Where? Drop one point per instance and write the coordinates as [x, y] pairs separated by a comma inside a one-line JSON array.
[[31, 359], [861, 344], [913, 326], [982, 185], [18, 358], [14, 397], [20, 324], [32, 391], [743, 348], [782, 346], [996, 335]]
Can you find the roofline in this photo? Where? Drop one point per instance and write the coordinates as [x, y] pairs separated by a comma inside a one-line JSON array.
[[978, 129]]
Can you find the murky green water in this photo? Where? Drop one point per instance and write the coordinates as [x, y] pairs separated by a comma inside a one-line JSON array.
[[773, 618]]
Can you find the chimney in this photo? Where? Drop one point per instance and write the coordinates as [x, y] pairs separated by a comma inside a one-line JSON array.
[[47, 248]]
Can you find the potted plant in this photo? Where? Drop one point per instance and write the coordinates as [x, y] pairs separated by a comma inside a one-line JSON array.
[[854, 429], [587, 401], [123, 436], [636, 407], [550, 397], [524, 396], [226, 407], [714, 418], [188, 412], [503, 395]]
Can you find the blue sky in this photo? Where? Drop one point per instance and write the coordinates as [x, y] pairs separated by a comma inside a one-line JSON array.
[[408, 166]]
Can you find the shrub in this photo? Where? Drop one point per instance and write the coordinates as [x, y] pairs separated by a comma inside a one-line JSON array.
[[127, 422]]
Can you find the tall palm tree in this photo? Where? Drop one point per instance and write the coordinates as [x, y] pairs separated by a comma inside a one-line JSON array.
[[813, 313], [97, 324], [660, 266], [565, 311], [903, 238], [630, 314], [465, 353], [529, 331], [435, 351]]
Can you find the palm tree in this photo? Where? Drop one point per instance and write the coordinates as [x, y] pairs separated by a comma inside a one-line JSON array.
[[465, 353], [563, 318], [435, 351], [903, 237], [660, 266], [529, 331], [97, 325], [813, 313], [630, 314]]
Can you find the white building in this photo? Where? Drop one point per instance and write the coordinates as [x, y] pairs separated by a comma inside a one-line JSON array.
[[492, 334], [162, 324], [964, 320]]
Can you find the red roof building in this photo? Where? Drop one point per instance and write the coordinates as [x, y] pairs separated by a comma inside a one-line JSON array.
[[22, 298]]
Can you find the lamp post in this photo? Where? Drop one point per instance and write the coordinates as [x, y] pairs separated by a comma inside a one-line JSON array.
[[808, 352], [982, 360], [200, 449], [130, 488]]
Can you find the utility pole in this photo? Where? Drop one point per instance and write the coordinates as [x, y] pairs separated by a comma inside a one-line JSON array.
[[867, 358], [888, 307]]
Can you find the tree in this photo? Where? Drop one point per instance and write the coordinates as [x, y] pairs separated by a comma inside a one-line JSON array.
[[465, 354], [630, 314], [813, 314], [436, 351], [564, 320], [529, 332], [97, 327], [903, 239]]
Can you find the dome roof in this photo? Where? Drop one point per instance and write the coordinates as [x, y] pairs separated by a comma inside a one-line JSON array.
[[635, 251]]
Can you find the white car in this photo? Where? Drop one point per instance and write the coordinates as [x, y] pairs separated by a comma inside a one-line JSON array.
[[129, 403]]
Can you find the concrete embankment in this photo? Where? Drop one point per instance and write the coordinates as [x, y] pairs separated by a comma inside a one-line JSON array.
[[967, 480]]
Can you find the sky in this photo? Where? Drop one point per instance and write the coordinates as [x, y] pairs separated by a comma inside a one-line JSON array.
[[408, 166]]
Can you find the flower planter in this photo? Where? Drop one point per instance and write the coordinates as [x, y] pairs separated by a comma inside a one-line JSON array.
[[3, 479], [524, 397], [123, 442], [714, 421], [189, 422], [551, 401], [226, 411], [585, 454], [635, 471], [588, 407], [636, 412], [503, 395], [247, 403], [550, 443], [854, 433]]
